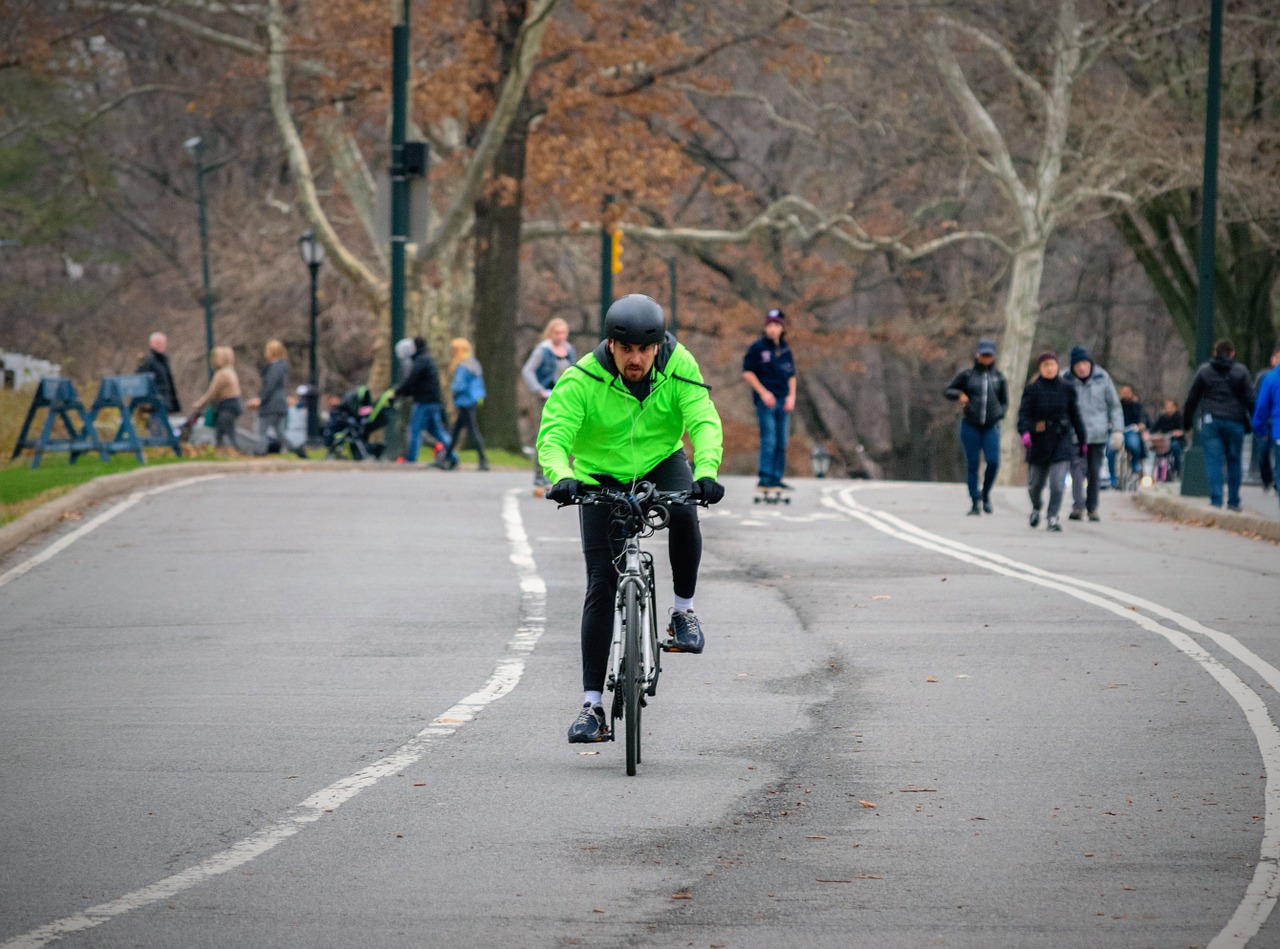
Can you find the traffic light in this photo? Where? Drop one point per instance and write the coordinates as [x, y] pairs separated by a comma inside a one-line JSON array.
[[615, 237]]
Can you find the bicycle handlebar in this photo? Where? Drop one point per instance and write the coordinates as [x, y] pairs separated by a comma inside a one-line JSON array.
[[648, 506]]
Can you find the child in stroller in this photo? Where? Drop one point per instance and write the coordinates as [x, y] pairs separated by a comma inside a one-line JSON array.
[[356, 417]]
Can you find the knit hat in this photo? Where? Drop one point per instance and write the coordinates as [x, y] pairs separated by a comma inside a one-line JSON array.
[[1044, 357], [775, 316], [1080, 354]]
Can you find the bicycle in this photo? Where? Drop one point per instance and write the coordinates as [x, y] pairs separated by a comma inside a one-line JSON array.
[[635, 662]]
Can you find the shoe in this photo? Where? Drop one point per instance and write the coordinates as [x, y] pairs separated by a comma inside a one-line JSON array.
[[1076, 516], [686, 633], [765, 483], [783, 485], [589, 726], [976, 510], [1054, 526], [401, 460], [300, 453], [1234, 507], [1094, 516], [1035, 518], [484, 466], [986, 506]]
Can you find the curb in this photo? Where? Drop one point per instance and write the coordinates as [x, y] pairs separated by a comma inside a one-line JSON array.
[[47, 516], [1253, 525]]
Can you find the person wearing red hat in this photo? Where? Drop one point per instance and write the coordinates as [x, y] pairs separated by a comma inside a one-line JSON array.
[[770, 370]]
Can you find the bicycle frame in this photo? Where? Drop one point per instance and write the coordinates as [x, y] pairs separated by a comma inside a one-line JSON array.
[[635, 572]]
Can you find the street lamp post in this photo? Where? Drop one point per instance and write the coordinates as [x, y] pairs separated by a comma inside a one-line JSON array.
[[312, 252], [195, 146]]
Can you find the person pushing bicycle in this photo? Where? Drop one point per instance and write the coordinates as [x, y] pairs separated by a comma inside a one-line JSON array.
[[621, 413]]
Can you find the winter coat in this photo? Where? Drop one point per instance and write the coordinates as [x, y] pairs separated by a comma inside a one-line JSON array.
[[541, 369], [1098, 403], [275, 390], [1049, 411], [468, 383], [158, 365], [597, 418], [1266, 413], [1223, 390], [987, 391], [771, 363], [422, 383]]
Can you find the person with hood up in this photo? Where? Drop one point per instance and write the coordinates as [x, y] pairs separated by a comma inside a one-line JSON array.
[[422, 384], [468, 392], [1103, 419], [1048, 417], [983, 395], [1222, 392]]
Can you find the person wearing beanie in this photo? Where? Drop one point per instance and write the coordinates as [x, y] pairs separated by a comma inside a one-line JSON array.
[[1051, 429], [983, 395], [1222, 392], [770, 370], [1103, 418]]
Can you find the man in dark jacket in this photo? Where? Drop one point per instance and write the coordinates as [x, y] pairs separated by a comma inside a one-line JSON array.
[[1047, 417], [1223, 392], [770, 370], [984, 396], [422, 384], [156, 362]]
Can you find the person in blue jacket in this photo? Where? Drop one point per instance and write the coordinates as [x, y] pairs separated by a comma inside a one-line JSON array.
[[1266, 418], [770, 370], [468, 392]]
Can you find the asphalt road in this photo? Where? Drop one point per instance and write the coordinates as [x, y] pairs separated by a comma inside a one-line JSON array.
[[328, 709]]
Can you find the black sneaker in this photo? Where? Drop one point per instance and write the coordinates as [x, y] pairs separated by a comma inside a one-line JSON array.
[[589, 726], [976, 509], [1234, 507], [783, 485], [1054, 525], [1035, 518], [686, 633], [986, 506], [1094, 516], [1076, 516]]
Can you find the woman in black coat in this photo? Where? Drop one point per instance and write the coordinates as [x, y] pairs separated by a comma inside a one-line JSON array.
[[1046, 418]]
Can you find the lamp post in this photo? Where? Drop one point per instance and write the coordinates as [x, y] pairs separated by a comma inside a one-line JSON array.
[[195, 146], [312, 252]]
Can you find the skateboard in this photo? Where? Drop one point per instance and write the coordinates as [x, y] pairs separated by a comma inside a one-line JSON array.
[[772, 496]]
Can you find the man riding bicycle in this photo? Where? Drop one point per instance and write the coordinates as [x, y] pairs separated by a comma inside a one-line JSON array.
[[622, 412]]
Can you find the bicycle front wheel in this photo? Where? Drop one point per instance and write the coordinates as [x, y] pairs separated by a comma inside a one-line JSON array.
[[632, 675]]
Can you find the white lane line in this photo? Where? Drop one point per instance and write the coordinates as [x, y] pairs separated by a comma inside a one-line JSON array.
[[1263, 890], [505, 677], [66, 541]]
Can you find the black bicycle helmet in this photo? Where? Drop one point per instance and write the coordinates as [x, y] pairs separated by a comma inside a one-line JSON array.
[[635, 319]]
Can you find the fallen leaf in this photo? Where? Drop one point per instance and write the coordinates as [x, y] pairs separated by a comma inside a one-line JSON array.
[[597, 911], [963, 676], [917, 790], [819, 880], [588, 752], [1089, 853], [682, 896], [814, 837], [870, 876], [867, 803], [930, 678], [882, 596]]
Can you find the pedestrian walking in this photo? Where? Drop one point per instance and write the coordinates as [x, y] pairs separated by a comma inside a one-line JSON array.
[[770, 370], [1260, 460], [273, 402], [545, 365], [1222, 392], [156, 362], [983, 395], [224, 395], [1052, 432], [1266, 420], [422, 385], [1099, 406], [468, 392]]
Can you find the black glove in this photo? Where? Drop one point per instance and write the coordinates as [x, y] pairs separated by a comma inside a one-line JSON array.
[[707, 490], [564, 491]]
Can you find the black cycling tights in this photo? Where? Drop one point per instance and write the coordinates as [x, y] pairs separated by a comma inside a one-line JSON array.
[[599, 548]]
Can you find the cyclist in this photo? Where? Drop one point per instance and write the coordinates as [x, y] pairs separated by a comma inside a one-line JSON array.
[[622, 412]]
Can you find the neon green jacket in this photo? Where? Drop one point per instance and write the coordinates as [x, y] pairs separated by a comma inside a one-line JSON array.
[[593, 417]]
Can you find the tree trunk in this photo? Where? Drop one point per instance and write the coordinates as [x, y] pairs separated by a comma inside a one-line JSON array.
[[1021, 315]]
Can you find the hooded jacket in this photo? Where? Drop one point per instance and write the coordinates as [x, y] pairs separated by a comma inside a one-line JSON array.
[[422, 383], [1099, 404], [1223, 390], [987, 391], [593, 416], [1266, 412]]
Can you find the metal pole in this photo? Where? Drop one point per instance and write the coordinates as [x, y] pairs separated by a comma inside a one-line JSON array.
[[1195, 479], [606, 263], [671, 279], [207, 298], [399, 205], [313, 390]]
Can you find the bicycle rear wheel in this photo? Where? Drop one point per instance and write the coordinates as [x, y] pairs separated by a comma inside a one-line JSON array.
[[632, 673]]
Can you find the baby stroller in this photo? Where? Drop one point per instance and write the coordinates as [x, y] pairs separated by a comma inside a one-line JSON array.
[[353, 420]]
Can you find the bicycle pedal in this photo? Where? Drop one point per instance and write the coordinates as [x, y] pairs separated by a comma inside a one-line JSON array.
[[670, 645]]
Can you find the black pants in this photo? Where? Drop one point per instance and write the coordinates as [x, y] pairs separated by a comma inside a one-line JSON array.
[[466, 417], [601, 547]]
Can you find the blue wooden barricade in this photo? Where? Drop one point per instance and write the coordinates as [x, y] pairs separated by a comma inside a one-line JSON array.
[[59, 397], [128, 393]]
